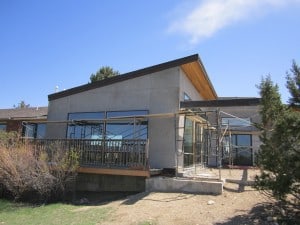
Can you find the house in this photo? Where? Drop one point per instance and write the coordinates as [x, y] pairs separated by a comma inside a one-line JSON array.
[[164, 116], [28, 122]]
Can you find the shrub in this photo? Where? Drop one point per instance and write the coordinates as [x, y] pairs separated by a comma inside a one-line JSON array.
[[34, 175]]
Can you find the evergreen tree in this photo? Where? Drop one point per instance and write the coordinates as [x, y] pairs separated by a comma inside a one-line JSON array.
[[22, 105], [293, 84], [103, 73], [279, 154], [271, 105]]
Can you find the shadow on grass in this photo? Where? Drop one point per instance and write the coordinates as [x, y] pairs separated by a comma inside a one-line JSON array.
[[100, 198]]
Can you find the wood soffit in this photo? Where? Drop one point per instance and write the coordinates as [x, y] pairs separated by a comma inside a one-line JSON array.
[[197, 75]]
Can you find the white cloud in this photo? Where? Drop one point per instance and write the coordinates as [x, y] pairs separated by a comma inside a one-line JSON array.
[[209, 16]]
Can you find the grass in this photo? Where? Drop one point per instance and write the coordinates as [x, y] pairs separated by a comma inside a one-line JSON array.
[[16, 213]]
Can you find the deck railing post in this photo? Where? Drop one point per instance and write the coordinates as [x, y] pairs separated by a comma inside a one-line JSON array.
[[131, 153]]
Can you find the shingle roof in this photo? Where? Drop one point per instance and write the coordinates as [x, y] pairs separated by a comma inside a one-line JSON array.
[[19, 113]]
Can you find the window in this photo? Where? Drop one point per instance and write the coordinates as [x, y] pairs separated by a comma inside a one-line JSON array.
[[194, 144], [188, 142], [83, 126], [34, 130], [236, 122], [41, 130], [122, 125], [186, 97], [241, 149], [2, 127], [127, 128]]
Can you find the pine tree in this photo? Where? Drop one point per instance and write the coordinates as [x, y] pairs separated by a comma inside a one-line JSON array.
[[103, 73], [293, 84], [279, 154]]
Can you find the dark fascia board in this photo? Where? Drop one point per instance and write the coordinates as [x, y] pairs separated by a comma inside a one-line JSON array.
[[221, 103], [123, 77]]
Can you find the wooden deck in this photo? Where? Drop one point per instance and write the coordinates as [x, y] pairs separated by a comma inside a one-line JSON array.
[[111, 157], [109, 171]]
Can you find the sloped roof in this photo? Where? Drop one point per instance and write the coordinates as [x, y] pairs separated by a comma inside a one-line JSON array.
[[191, 65], [24, 113]]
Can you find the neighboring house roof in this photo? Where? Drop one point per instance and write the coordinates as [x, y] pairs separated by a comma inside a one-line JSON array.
[[24, 113], [191, 65], [222, 102]]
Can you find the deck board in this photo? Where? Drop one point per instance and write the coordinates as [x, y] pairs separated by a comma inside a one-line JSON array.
[[108, 171]]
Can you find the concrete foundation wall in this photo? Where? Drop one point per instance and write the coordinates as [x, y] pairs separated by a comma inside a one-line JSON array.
[[166, 184], [98, 183]]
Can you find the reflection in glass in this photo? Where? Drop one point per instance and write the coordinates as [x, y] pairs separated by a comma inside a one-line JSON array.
[[116, 125]]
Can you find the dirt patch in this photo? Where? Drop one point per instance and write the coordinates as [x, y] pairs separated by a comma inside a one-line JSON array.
[[239, 204]]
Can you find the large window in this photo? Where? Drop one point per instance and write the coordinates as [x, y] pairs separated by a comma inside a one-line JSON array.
[[109, 125], [241, 151], [34, 130], [194, 145], [85, 125], [2, 127], [127, 127], [188, 143]]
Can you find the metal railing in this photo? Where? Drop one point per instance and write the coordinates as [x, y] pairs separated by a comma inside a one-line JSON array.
[[126, 154]]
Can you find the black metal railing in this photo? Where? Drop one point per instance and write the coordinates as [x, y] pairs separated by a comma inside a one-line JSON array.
[[127, 154]]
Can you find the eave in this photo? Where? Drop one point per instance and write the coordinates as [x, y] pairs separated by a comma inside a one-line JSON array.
[[196, 73]]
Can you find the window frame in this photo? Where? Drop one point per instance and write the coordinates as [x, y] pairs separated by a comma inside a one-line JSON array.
[[186, 97], [105, 123], [3, 126], [236, 122], [236, 148]]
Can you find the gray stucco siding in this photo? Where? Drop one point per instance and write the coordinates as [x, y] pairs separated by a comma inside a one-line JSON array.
[[157, 92], [187, 87]]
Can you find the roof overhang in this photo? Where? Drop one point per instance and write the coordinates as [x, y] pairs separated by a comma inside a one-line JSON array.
[[196, 73]]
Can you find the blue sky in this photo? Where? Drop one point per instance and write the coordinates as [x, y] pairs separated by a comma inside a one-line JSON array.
[[44, 44]]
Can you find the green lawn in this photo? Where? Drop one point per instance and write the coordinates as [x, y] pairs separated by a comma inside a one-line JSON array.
[[15, 213]]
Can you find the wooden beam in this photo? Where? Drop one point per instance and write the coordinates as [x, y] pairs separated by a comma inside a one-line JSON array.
[[122, 172]]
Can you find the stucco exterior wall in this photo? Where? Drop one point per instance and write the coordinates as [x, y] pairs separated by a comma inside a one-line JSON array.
[[187, 87], [157, 92]]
